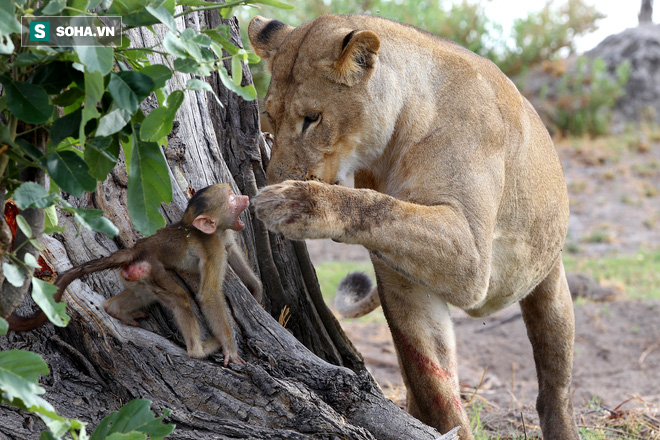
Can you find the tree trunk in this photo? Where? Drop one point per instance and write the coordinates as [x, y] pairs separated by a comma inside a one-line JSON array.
[[646, 12], [302, 381]]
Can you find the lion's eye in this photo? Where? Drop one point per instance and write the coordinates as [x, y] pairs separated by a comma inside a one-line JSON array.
[[310, 118]]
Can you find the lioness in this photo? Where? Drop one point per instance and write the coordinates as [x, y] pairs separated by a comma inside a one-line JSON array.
[[460, 196]]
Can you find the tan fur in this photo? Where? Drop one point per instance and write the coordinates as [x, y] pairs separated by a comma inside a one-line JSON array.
[[460, 196], [202, 243]]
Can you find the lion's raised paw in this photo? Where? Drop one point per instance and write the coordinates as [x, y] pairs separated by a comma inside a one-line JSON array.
[[293, 208]]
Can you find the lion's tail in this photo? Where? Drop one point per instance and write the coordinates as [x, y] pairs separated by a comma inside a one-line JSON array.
[[356, 296]]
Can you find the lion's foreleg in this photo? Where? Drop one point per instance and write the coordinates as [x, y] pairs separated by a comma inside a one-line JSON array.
[[435, 246]]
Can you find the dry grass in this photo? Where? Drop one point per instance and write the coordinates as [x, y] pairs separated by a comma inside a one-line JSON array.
[[633, 419], [595, 423]]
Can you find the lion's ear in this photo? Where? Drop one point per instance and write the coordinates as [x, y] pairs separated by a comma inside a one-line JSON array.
[[266, 36], [359, 53]]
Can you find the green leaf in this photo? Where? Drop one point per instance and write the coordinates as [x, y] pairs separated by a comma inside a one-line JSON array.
[[59, 427], [94, 87], [55, 76], [30, 261], [133, 12], [93, 219], [127, 148], [253, 58], [91, 4], [137, 56], [226, 13], [32, 195], [202, 40], [13, 274], [159, 73], [175, 100], [187, 40], [24, 364], [42, 294], [163, 15], [135, 416], [28, 102], [4, 327], [133, 435], [53, 7], [186, 65], [198, 84], [157, 124], [148, 186], [29, 59], [28, 149], [128, 89], [174, 46], [112, 122], [101, 155], [70, 172], [236, 70], [96, 58], [126, 7], [139, 19], [160, 121], [8, 22], [196, 3], [5, 136], [50, 221], [19, 375], [36, 244], [66, 126], [222, 34], [24, 226], [249, 93], [68, 97]]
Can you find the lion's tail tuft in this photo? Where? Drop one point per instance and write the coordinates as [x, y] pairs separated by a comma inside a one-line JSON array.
[[356, 296]]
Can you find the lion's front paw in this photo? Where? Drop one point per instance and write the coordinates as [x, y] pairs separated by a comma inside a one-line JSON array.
[[296, 209]]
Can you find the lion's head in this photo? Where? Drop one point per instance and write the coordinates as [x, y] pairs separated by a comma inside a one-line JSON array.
[[320, 101]]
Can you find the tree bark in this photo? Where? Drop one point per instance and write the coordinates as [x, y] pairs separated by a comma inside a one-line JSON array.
[[300, 382]]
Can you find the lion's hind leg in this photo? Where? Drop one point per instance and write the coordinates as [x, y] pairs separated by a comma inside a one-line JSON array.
[[548, 315]]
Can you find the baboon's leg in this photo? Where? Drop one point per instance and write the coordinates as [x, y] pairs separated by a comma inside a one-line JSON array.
[[172, 295], [424, 338], [548, 315], [126, 305]]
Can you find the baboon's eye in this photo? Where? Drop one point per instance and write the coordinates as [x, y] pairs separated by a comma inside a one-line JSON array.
[[310, 118]]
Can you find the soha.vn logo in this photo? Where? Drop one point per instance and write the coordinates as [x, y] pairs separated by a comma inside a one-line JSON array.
[[40, 31]]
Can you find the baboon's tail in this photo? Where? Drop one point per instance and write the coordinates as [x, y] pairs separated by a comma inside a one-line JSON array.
[[119, 259], [356, 296]]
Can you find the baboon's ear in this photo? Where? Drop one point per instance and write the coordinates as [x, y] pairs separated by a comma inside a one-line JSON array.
[[205, 224], [359, 53], [266, 35]]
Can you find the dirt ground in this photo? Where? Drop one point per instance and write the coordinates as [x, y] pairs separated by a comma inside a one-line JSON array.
[[615, 208]]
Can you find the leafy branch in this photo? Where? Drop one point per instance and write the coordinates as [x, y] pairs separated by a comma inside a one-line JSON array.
[[67, 114]]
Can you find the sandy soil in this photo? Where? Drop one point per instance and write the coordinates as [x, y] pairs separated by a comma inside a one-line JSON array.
[[615, 207]]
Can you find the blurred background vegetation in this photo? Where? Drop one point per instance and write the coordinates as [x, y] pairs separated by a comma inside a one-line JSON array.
[[538, 42]]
